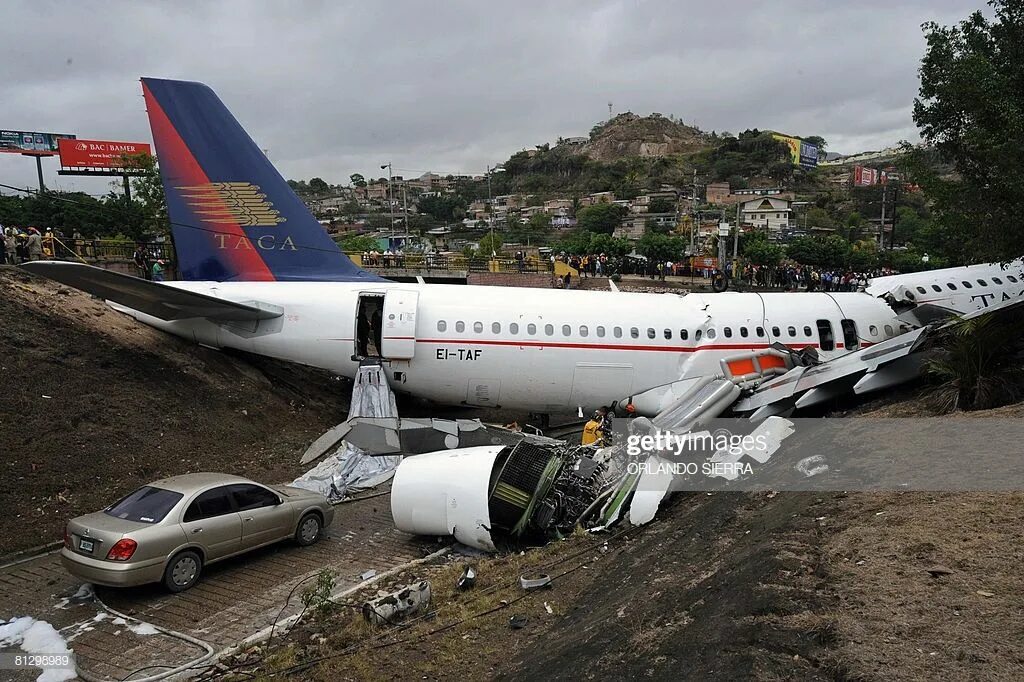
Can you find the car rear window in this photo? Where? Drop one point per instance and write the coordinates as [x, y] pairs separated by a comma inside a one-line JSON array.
[[145, 505]]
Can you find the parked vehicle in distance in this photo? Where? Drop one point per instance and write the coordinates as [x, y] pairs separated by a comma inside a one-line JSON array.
[[169, 530]]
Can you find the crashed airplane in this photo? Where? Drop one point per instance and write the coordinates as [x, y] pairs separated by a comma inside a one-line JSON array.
[[262, 276]]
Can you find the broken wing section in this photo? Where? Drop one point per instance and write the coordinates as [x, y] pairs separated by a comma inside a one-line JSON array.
[[152, 298]]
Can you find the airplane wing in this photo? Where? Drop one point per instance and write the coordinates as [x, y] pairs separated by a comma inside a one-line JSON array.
[[152, 298]]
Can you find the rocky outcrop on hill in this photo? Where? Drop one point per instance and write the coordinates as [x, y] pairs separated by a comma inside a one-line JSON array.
[[645, 136]]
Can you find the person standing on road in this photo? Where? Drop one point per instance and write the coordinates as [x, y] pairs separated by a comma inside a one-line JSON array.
[[158, 271], [141, 260], [34, 244], [11, 244]]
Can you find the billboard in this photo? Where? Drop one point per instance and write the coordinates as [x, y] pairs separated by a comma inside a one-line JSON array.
[[865, 177], [22, 142], [801, 153], [98, 153]]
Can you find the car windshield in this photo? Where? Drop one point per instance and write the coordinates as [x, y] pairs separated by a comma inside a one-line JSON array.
[[145, 505]]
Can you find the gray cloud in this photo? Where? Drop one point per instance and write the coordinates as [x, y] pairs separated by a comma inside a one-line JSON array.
[[332, 88]]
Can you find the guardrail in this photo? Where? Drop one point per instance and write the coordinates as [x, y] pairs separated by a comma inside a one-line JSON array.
[[104, 249], [457, 263]]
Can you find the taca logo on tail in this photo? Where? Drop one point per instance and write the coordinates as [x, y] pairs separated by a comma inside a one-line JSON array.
[[233, 217]]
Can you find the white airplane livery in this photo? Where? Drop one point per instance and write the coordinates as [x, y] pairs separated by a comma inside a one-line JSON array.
[[261, 275]]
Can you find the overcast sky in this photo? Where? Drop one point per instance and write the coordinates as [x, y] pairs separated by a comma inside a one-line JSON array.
[[332, 88]]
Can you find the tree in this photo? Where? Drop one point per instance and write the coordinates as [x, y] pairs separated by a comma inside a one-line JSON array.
[[359, 243], [600, 218], [758, 250], [652, 225], [970, 106], [818, 141], [661, 205], [357, 180], [659, 247], [490, 244], [318, 185], [148, 192]]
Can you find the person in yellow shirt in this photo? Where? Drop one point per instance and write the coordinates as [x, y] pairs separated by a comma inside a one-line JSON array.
[[591, 431]]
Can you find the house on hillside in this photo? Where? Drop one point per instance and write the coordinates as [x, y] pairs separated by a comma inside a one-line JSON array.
[[769, 213]]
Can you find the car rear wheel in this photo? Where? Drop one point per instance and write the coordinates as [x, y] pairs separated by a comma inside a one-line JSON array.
[[183, 571], [308, 530]]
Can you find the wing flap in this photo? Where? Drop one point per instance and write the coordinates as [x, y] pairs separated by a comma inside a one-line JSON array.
[[152, 298]]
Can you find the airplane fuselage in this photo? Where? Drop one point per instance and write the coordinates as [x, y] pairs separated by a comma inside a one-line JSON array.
[[533, 349]]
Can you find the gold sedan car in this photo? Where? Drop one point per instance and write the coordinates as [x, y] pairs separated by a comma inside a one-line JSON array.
[[169, 530]]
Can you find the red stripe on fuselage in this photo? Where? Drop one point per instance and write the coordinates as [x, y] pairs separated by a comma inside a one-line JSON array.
[[178, 163], [606, 346]]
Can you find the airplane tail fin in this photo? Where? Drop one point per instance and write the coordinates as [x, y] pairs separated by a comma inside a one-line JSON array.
[[233, 217]]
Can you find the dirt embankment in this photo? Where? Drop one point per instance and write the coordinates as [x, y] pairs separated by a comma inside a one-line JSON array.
[[93, 403]]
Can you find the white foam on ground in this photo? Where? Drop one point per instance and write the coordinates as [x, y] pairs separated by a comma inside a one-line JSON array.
[[37, 637]]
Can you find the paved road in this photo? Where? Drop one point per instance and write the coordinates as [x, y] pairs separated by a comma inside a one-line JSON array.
[[233, 601]]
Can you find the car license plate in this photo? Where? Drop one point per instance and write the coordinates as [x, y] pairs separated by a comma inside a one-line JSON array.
[[85, 545]]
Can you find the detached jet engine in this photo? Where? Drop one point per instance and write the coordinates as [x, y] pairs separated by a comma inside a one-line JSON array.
[[496, 495]]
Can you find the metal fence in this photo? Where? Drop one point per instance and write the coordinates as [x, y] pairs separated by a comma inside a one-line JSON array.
[[452, 263], [106, 249]]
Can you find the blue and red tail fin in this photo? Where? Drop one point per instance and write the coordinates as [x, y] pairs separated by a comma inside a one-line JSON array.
[[233, 216]]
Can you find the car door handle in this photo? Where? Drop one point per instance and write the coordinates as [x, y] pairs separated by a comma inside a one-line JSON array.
[[247, 518], [197, 530]]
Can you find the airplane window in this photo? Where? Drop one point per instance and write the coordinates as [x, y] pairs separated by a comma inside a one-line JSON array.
[[513, 328], [584, 331], [888, 330], [950, 286], [460, 326], [617, 332], [496, 327], [743, 332], [759, 331], [478, 327], [910, 296], [807, 331], [711, 333], [792, 332], [997, 280], [668, 333], [828, 342], [651, 333], [1012, 278], [566, 330], [982, 282], [728, 332], [600, 332], [441, 325], [776, 332], [921, 290], [634, 332], [967, 285], [873, 330], [683, 335], [696, 335], [936, 287], [531, 328], [549, 329]]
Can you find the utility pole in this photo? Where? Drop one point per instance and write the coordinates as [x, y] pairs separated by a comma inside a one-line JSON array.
[[391, 208], [693, 216], [881, 234], [895, 215], [736, 243], [405, 211]]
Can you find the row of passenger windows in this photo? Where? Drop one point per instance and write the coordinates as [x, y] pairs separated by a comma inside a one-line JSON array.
[[966, 285], [635, 332]]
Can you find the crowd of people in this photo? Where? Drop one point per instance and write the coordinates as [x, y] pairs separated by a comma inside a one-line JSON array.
[[19, 245], [789, 275], [388, 258]]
